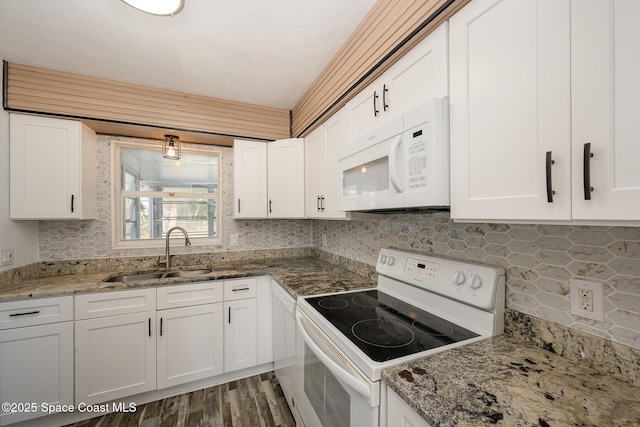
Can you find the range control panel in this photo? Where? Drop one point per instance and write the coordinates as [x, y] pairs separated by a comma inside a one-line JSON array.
[[472, 283]]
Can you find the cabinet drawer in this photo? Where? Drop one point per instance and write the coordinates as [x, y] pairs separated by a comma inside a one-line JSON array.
[[114, 303], [187, 295], [16, 314], [239, 289]]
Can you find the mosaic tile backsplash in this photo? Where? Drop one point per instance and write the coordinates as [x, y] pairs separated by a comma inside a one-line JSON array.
[[539, 259]]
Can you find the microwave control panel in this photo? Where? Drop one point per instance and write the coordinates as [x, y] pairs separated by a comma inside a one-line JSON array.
[[417, 156]]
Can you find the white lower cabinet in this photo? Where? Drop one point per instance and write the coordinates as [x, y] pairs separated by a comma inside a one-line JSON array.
[[240, 338], [400, 414], [36, 367], [36, 356], [115, 356], [190, 337], [115, 344]]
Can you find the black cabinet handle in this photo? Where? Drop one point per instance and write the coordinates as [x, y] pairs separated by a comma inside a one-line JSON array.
[[586, 171], [322, 203], [24, 314], [318, 204], [385, 106], [72, 200], [550, 191], [149, 326], [239, 289], [161, 326], [375, 106], [238, 205], [269, 205], [229, 315]]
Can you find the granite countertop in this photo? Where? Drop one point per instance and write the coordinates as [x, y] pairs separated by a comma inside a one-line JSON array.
[[300, 276], [504, 381]]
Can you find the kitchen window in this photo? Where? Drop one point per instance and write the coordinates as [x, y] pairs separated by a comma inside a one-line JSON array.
[[153, 194]]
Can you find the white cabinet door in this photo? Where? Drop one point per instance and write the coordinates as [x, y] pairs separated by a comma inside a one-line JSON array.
[[314, 171], [115, 356], [264, 321], [52, 168], [250, 179], [240, 334], [285, 160], [605, 66], [321, 168], [190, 341], [400, 414], [510, 106], [420, 75], [36, 365]]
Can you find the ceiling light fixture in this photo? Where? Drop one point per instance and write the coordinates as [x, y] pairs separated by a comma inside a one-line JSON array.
[[171, 148], [157, 7]]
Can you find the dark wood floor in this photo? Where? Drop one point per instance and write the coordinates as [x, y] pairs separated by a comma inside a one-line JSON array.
[[253, 401]]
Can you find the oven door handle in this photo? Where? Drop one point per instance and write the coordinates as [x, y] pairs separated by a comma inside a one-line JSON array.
[[360, 387]]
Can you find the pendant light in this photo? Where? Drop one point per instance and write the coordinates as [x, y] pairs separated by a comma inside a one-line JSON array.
[[157, 7], [171, 148]]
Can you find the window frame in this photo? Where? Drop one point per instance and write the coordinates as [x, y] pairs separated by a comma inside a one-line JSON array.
[[117, 205]]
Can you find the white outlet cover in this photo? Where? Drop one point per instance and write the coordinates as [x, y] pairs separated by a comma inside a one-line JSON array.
[[598, 299]]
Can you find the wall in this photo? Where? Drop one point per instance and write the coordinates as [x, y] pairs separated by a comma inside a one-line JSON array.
[[22, 236], [539, 261], [92, 239]]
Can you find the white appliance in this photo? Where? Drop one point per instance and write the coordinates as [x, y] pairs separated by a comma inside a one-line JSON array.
[[403, 164], [422, 305], [284, 343]]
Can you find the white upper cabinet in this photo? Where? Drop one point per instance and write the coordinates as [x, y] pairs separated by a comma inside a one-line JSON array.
[[269, 179], [605, 88], [52, 168], [285, 170], [418, 76], [542, 111], [250, 179], [510, 81], [321, 169]]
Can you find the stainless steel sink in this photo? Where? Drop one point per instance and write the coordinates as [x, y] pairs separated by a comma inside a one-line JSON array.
[[137, 277], [189, 273]]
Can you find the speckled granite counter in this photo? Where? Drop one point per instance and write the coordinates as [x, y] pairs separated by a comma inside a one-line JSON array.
[[299, 275], [507, 382]]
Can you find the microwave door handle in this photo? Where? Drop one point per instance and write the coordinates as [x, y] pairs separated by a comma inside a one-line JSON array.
[[360, 387], [393, 163]]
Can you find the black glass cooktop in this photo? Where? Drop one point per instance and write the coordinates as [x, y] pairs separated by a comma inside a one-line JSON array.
[[384, 327]]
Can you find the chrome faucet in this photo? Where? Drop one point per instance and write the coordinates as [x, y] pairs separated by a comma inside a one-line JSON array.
[[187, 242]]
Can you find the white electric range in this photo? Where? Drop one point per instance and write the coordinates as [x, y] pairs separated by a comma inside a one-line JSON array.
[[422, 305]]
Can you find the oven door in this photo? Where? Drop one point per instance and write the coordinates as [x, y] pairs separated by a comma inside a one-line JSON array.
[[331, 391]]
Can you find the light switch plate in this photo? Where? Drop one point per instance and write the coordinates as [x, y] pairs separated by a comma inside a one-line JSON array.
[[581, 289], [6, 257]]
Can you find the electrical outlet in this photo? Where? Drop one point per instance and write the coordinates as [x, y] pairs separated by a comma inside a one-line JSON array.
[[587, 299], [6, 257], [233, 240]]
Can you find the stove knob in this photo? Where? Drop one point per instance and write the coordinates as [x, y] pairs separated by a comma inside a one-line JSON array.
[[390, 260], [383, 259], [476, 281], [459, 277]]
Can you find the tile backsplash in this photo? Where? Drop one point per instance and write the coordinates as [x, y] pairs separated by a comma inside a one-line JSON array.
[[539, 259]]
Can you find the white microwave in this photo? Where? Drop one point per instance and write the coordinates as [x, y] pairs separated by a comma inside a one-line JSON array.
[[403, 164]]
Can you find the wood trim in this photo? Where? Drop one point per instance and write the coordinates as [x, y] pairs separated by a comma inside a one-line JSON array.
[[390, 29], [123, 108]]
